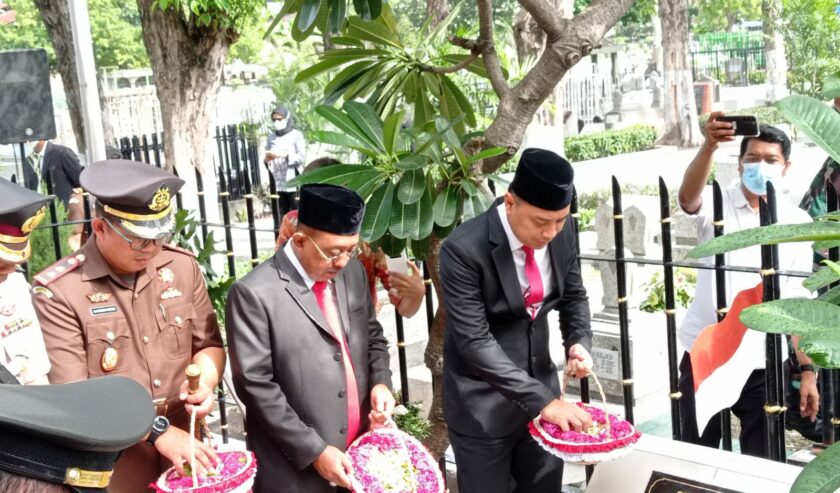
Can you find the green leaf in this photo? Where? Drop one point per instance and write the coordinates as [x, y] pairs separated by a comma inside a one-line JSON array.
[[367, 120], [347, 41], [421, 248], [338, 11], [446, 206], [405, 219], [831, 296], [392, 247], [345, 124], [821, 475], [307, 14], [335, 58], [372, 31], [410, 162], [344, 79], [486, 154], [378, 213], [832, 265], [412, 186], [820, 279], [477, 67], [768, 235], [825, 245], [469, 187], [461, 100], [816, 120], [427, 215], [831, 87], [391, 131], [815, 321], [341, 140], [339, 174]]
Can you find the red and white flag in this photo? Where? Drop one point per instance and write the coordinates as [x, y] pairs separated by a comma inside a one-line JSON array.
[[723, 357]]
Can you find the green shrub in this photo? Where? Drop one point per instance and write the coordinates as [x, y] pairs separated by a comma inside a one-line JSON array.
[[610, 143], [409, 418], [43, 246], [586, 221], [684, 282]]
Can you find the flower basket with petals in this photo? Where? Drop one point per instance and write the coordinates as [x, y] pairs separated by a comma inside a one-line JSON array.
[[610, 437], [392, 461]]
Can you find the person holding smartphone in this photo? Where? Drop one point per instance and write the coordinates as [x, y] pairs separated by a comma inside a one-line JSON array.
[[762, 158], [285, 152]]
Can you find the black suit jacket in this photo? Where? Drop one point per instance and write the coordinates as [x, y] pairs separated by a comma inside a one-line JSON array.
[[497, 371], [63, 167], [288, 370]]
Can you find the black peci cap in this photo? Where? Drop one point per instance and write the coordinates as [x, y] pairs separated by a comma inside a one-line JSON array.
[[138, 195], [21, 211], [331, 208], [543, 179], [72, 433]]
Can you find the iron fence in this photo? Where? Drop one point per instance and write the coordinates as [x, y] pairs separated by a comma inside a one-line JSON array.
[[731, 66]]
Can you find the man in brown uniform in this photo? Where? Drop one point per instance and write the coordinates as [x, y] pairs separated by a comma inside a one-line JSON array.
[[129, 304]]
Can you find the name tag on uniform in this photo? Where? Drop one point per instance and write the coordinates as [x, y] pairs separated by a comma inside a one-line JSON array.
[[102, 310]]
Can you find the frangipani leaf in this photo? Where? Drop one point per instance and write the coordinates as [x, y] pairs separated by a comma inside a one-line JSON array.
[[816, 120], [768, 235], [377, 213], [821, 475], [821, 279]]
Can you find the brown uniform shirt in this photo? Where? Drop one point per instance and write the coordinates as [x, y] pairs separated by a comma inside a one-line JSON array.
[[89, 314]]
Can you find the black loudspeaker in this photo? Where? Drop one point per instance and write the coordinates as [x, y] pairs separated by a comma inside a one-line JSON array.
[[26, 109]]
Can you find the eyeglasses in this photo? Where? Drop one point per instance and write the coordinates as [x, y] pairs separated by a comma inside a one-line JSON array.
[[138, 244], [335, 258]]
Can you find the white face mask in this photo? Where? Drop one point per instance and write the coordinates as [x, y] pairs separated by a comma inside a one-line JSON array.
[[280, 125], [756, 176]]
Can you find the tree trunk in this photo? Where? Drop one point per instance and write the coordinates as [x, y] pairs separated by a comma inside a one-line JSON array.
[[439, 439], [437, 10], [681, 126], [774, 50], [188, 63], [517, 106], [56, 17]]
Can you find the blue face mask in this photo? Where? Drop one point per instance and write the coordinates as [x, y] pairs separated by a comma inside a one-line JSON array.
[[756, 176]]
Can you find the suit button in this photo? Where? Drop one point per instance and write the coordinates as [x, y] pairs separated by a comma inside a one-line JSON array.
[[533, 359], [343, 431], [337, 356], [156, 383], [145, 339], [341, 393]]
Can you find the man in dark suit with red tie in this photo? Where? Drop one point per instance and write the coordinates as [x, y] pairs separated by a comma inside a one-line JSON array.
[[502, 273], [309, 359]]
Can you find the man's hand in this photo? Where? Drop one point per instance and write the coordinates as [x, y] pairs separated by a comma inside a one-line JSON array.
[[334, 466], [381, 404], [174, 444], [718, 131], [566, 416], [579, 362], [202, 399], [809, 396]]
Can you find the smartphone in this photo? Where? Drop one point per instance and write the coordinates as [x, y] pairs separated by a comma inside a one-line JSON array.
[[398, 264], [745, 125]]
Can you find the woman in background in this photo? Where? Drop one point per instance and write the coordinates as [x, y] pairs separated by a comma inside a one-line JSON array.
[[285, 152]]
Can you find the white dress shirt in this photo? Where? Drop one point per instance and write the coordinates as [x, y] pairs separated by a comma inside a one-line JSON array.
[[541, 257], [739, 215]]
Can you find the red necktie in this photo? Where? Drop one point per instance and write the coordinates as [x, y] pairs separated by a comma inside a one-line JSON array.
[[326, 302], [534, 293]]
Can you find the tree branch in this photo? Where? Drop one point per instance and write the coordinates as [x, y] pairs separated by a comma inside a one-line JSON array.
[[488, 48], [545, 16], [454, 68]]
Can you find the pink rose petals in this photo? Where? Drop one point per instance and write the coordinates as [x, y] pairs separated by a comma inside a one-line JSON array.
[[590, 446], [388, 460], [235, 473]]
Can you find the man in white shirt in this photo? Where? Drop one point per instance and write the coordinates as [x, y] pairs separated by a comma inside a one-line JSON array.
[[761, 159]]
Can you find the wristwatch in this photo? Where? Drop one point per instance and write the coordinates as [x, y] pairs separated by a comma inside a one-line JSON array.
[[804, 368], [159, 427]]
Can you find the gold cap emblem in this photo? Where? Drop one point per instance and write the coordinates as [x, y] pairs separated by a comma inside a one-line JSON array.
[[161, 199], [34, 221]]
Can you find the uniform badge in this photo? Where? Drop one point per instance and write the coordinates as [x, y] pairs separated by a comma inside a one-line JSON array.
[[110, 358], [170, 293], [166, 275], [14, 326], [34, 221], [102, 310], [8, 310], [160, 200], [99, 297], [42, 291]]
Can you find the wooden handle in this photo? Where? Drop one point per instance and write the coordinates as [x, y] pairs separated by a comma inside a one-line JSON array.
[[193, 376], [567, 377]]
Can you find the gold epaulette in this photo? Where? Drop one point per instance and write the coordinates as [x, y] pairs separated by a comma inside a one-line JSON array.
[[60, 268]]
